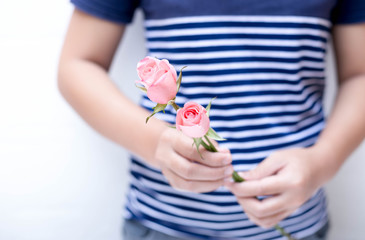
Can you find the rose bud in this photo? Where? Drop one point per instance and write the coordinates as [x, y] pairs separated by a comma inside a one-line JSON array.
[[192, 120], [159, 78]]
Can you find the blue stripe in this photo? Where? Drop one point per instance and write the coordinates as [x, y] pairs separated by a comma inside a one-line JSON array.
[[234, 48], [227, 83], [188, 62], [250, 70], [238, 36]]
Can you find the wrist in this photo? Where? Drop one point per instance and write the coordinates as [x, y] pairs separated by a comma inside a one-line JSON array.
[[325, 162]]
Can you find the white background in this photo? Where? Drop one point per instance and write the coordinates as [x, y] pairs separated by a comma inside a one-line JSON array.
[[61, 180]]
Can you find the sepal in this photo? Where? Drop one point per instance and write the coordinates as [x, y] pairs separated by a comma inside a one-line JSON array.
[[158, 108], [197, 143], [142, 88], [213, 135], [209, 105], [178, 81]]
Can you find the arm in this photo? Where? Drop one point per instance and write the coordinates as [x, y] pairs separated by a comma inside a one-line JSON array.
[[83, 81], [293, 175]]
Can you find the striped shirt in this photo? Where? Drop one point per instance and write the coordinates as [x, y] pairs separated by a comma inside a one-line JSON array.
[[265, 62]]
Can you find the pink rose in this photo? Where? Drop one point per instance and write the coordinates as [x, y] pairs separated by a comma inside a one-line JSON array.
[[192, 120], [159, 78]]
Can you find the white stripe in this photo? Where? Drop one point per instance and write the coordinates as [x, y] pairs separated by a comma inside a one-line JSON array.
[[235, 30], [262, 18], [239, 53], [253, 76], [236, 42], [245, 65], [249, 88]]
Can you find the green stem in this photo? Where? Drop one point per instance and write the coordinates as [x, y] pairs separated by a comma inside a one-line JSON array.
[[211, 146], [283, 232], [206, 146], [174, 105]]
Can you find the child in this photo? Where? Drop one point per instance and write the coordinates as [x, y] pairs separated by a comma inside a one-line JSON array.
[[264, 61]]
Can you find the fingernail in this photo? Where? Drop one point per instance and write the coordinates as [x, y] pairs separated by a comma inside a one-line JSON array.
[[228, 172]]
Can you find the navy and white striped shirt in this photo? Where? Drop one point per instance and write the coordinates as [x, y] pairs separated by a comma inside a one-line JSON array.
[[264, 61]]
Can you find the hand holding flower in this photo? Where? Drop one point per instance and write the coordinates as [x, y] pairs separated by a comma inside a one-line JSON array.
[[185, 169]]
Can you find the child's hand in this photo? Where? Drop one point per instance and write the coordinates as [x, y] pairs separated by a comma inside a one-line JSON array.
[[185, 169], [288, 177]]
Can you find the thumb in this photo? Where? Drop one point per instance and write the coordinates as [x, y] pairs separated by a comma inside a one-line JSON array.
[[268, 167]]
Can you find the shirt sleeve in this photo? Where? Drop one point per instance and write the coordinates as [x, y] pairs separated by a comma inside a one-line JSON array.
[[118, 11], [348, 12]]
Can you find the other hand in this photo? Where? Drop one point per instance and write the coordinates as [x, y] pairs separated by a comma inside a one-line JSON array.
[[288, 177]]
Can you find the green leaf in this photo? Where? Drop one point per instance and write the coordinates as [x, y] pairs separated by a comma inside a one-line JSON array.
[[158, 108], [236, 177], [213, 135], [142, 88], [198, 142], [172, 126], [178, 81], [210, 104]]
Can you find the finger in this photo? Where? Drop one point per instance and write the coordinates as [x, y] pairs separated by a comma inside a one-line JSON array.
[[267, 167], [266, 207], [267, 186], [182, 184], [184, 146], [270, 221], [194, 171]]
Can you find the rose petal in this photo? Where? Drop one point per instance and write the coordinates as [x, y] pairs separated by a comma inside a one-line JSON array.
[[196, 131], [192, 120], [164, 91]]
